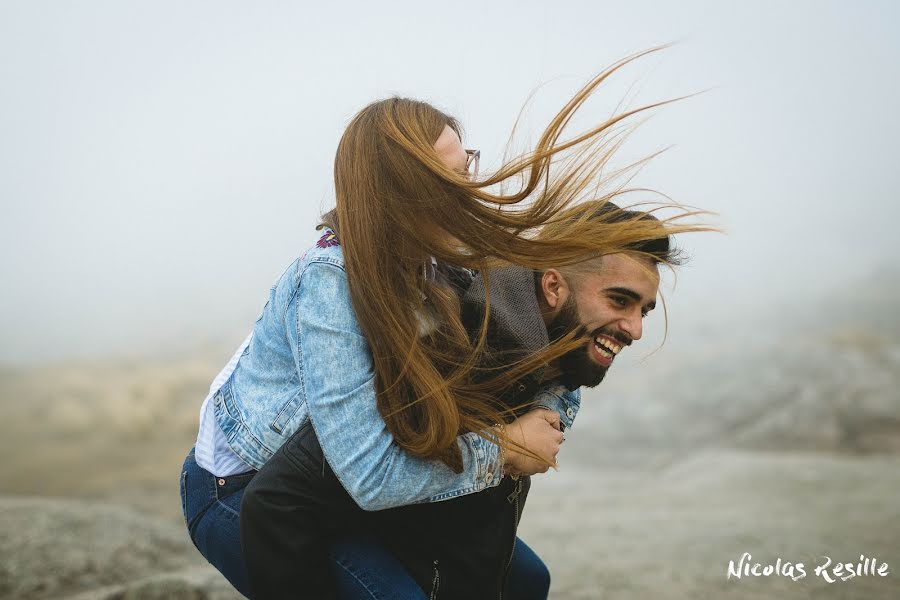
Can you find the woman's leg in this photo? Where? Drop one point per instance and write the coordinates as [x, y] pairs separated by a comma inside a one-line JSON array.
[[365, 570], [211, 507], [529, 578]]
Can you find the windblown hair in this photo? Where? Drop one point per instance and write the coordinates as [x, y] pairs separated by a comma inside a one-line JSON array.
[[396, 203], [660, 250]]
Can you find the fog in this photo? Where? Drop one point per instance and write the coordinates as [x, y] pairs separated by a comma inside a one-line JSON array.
[[162, 163]]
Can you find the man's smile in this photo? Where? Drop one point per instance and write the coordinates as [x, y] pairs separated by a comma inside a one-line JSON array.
[[604, 349]]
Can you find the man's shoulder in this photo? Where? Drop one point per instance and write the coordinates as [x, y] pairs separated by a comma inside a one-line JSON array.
[[508, 284]]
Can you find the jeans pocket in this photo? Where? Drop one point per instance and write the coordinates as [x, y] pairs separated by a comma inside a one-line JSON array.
[[184, 497]]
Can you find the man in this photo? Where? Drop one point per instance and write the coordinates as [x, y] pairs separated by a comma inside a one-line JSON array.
[[461, 548]]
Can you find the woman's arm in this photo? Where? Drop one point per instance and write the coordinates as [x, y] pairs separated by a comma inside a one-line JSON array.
[[338, 379], [293, 505]]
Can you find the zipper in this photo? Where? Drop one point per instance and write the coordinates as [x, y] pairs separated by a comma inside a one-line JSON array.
[[514, 495], [512, 498], [435, 582]]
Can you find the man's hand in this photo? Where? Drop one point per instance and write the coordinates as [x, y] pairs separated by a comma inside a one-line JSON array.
[[539, 431]]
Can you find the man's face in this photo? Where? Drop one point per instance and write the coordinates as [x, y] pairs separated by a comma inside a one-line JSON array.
[[607, 306]]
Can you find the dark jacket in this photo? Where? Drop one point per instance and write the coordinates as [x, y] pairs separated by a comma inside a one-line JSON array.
[[459, 548], [462, 548]]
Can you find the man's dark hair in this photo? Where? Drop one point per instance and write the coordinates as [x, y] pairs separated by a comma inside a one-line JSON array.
[[661, 250]]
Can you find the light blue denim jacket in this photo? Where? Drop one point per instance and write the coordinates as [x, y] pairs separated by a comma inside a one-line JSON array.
[[308, 359]]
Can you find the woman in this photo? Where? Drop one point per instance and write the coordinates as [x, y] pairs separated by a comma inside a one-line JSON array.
[[238, 440], [369, 349]]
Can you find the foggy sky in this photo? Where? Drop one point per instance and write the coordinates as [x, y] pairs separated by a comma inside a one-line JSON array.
[[162, 163]]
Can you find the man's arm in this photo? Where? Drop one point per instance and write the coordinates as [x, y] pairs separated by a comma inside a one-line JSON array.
[[555, 396]]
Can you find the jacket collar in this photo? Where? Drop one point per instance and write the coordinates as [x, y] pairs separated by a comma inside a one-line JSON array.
[[516, 321]]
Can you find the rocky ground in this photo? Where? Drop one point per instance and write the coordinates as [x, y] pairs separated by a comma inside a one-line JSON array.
[[782, 446]]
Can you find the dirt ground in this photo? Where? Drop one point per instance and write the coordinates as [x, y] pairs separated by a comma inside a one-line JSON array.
[[677, 465]]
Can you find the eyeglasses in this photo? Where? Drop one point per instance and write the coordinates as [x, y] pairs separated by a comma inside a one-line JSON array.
[[474, 157]]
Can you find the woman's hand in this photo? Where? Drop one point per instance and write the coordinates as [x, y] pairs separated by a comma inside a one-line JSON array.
[[538, 431]]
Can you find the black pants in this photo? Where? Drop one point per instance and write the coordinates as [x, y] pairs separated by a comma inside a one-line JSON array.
[[295, 505], [290, 510]]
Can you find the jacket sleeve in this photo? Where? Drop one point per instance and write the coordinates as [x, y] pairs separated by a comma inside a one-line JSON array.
[[338, 379], [555, 396]]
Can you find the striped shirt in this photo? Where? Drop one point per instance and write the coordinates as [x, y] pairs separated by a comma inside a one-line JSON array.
[[212, 451]]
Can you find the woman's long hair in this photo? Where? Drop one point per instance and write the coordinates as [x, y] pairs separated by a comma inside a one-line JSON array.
[[396, 204]]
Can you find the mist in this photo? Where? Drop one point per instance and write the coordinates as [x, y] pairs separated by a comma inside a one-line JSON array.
[[161, 164]]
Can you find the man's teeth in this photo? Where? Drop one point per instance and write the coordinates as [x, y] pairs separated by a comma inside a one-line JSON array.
[[606, 347]]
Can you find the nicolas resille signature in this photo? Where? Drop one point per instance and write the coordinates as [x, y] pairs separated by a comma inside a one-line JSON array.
[[825, 568]]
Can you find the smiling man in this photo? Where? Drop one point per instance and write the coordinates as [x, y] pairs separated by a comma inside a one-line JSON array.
[[604, 299], [461, 547]]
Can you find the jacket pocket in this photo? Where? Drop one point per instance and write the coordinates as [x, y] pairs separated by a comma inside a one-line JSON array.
[[287, 412], [305, 453]]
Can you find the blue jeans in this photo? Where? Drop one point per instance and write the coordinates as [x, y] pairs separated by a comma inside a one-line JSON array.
[[366, 571], [363, 568], [211, 508]]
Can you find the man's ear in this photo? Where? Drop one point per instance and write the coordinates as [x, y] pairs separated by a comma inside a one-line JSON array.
[[554, 288]]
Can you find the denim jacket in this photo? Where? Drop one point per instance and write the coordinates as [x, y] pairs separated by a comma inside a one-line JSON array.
[[308, 360]]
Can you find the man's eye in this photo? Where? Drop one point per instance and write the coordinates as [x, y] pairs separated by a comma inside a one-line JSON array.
[[644, 313], [623, 302]]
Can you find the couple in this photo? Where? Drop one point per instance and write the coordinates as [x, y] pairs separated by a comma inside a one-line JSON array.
[[381, 375]]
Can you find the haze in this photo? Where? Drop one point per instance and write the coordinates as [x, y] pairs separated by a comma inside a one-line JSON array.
[[162, 163]]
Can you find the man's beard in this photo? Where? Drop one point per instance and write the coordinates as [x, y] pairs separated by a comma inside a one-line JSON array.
[[576, 365]]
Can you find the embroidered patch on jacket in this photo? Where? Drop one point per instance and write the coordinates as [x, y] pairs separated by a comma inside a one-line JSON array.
[[328, 240]]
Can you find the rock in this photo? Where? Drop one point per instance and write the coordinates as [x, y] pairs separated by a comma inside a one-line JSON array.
[[57, 548], [200, 583]]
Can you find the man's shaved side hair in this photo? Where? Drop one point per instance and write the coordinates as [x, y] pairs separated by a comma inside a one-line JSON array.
[[660, 250]]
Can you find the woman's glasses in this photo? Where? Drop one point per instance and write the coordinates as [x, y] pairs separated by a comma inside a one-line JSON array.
[[472, 162]]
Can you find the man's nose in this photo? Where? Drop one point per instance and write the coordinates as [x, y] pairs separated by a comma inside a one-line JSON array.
[[634, 326]]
